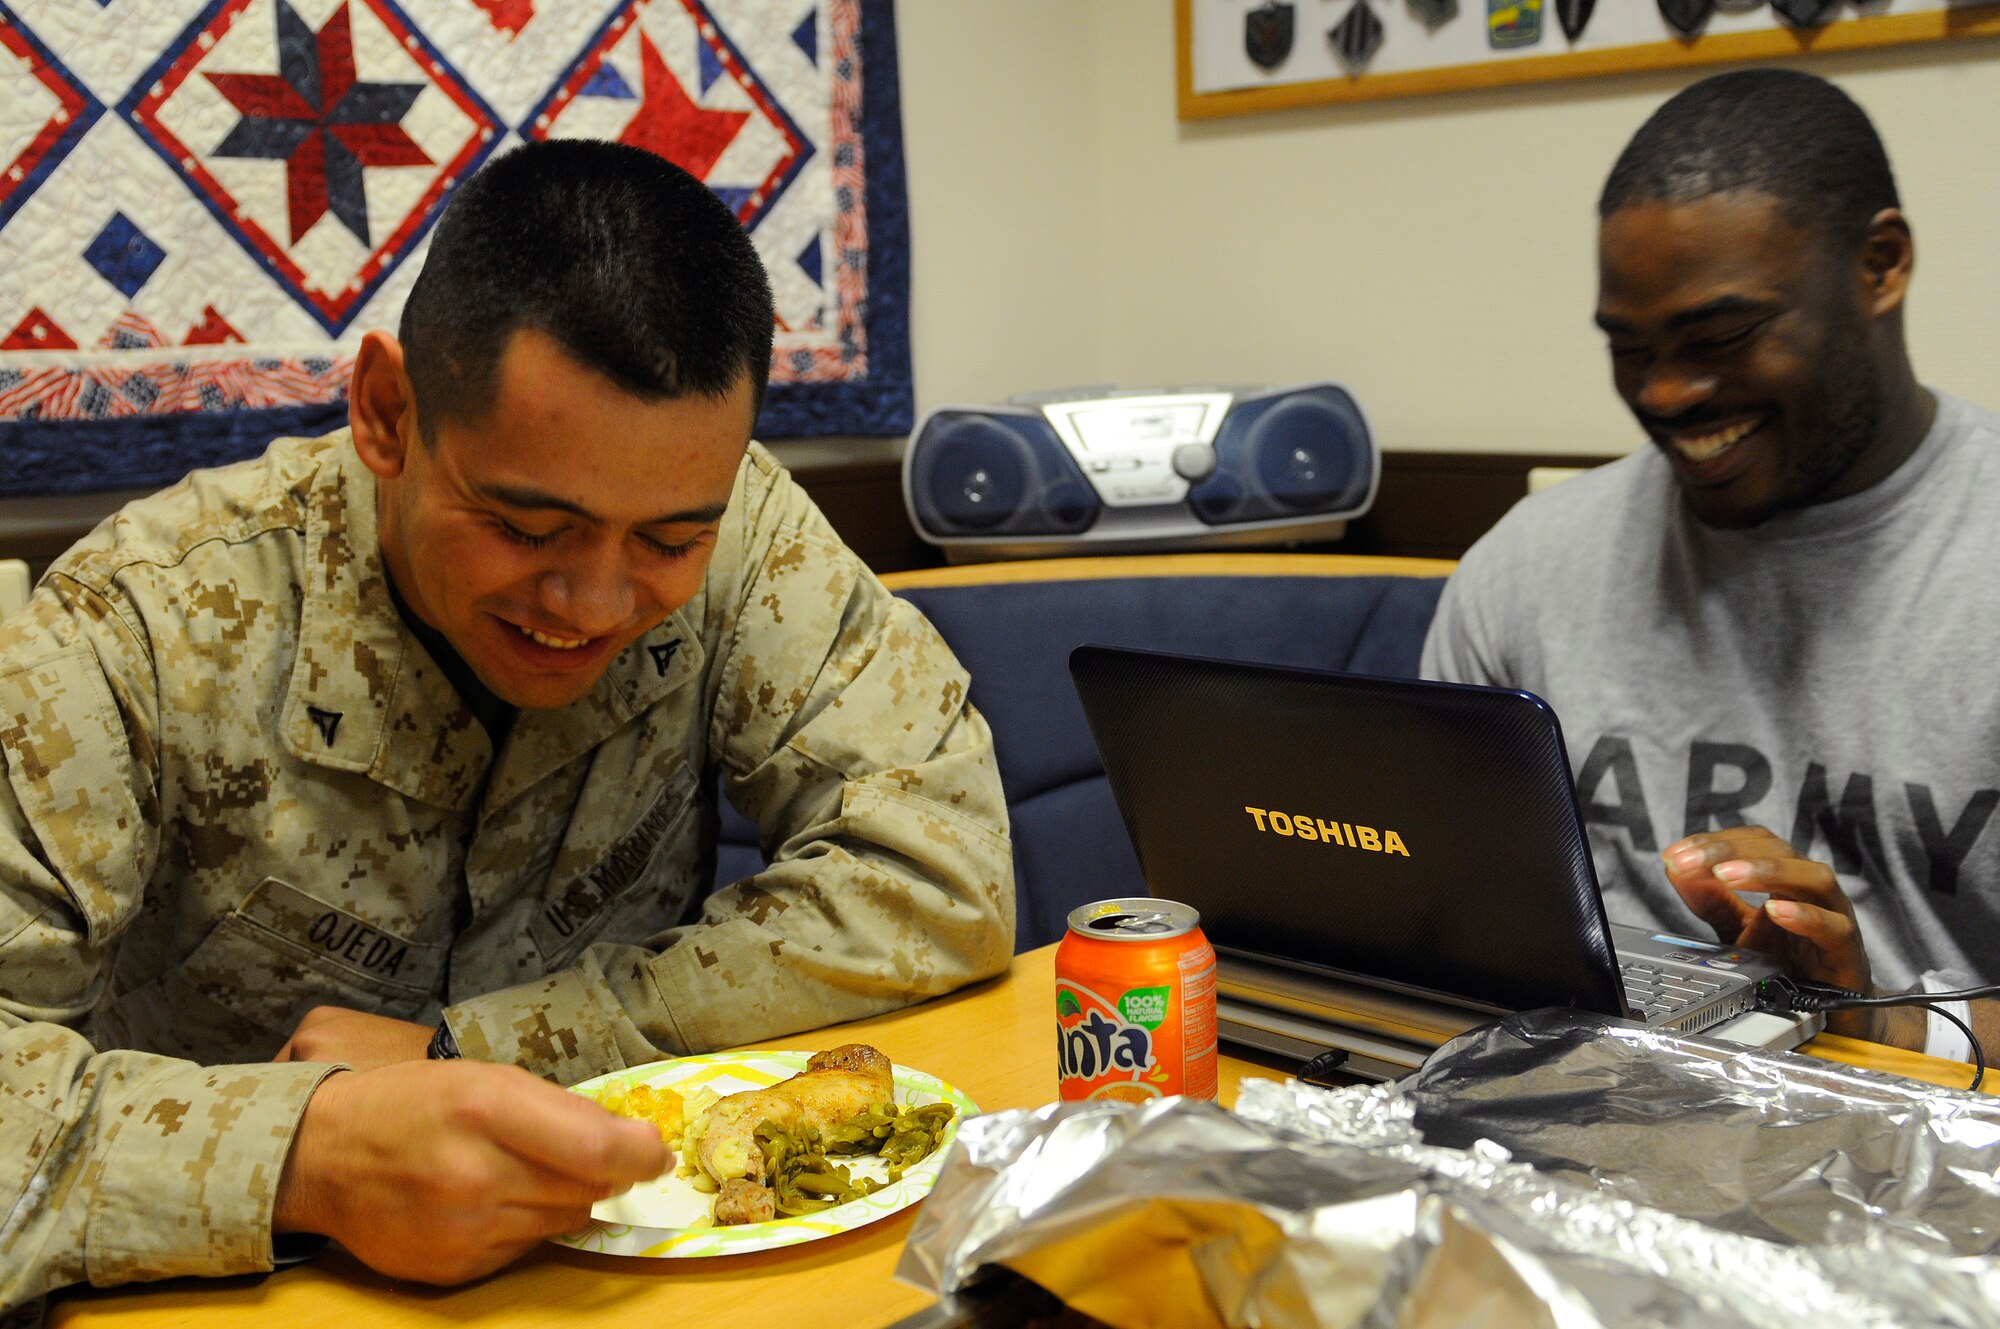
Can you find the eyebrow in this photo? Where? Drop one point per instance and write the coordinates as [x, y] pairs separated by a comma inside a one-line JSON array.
[[1716, 308], [517, 496]]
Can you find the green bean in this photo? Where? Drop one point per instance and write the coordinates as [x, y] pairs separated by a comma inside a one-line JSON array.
[[803, 1178]]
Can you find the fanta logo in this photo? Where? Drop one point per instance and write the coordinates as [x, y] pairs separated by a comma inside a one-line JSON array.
[[1087, 1050], [1300, 826]]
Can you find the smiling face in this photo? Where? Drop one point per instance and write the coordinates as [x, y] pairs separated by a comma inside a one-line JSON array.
[[1749, 350], [548, 536]]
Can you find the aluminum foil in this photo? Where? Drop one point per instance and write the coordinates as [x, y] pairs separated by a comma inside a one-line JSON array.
[[1549, 1171], [1773, 1145]]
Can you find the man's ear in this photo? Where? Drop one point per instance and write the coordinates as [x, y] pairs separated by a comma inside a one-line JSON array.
[[1888, 256], [381, 407]]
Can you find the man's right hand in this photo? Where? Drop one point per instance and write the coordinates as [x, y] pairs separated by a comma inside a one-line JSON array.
[[440, 1171], [1806, 920]]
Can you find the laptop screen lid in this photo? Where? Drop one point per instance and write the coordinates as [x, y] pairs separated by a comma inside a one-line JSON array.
[[1420, 836]]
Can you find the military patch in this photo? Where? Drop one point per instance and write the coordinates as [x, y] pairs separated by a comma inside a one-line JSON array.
[[1686, 16], [1434, 13], [1267, 34], [664, 655], [1511, 23], [342, 939], [1357, 37], [1574, 15], [327, 722], [1802, 13], [560, 925]]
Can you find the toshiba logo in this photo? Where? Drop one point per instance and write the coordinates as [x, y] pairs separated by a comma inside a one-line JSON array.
[[1345, 834]]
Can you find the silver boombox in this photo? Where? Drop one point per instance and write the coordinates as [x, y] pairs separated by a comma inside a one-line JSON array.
[[1099, 471]]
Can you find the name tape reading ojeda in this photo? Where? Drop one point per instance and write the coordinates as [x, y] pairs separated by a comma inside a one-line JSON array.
[[1300, 826]]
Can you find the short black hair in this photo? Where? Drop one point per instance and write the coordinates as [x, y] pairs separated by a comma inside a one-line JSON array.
[[1780, 132], [632, 265]]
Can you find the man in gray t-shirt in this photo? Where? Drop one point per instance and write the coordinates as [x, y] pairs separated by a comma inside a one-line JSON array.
[[1775, 617]]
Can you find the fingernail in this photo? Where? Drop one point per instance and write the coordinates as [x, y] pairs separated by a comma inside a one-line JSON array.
[[1687, 860], [1734, 871], [1783, 911]]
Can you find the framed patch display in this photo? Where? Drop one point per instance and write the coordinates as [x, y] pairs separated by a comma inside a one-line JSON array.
[[1240, 56]]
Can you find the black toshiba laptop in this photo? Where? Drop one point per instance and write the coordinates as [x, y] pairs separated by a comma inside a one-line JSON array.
[[1381, 864]]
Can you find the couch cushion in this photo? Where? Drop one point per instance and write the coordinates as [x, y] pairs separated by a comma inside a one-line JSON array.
[[1015, 637]]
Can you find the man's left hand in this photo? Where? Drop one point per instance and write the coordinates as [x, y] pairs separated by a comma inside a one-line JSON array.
[[335, 1033], [1807, 921]]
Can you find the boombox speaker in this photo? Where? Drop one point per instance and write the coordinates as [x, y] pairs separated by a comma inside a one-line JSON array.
[[1078, 473]]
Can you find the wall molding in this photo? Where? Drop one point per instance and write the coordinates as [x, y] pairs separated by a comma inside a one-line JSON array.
[[1430, 505]]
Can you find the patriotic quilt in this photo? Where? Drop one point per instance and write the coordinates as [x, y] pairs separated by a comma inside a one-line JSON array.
[[205, 203]]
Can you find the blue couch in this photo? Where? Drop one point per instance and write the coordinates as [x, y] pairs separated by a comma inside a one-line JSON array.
[[1013, 624]]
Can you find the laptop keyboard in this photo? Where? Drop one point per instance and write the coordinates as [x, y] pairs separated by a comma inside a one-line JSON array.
[[1657, 993]]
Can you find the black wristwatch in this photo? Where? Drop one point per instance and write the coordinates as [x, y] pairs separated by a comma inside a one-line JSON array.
[[443, 1046]]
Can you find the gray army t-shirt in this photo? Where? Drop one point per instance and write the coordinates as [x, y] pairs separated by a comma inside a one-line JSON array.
[[1833, 674]]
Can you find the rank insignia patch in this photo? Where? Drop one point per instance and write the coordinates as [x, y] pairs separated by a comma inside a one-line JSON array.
[[1267, 34], [327, 722]]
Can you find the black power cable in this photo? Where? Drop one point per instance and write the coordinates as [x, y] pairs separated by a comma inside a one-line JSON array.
[[1795, 994]]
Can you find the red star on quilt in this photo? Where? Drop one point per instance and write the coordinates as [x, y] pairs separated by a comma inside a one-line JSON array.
[[671, 125], [37, 332], [323, 124], [509, 16], [212, 330]]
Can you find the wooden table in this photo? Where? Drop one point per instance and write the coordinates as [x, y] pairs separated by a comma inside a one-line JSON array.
[[994, 1041]]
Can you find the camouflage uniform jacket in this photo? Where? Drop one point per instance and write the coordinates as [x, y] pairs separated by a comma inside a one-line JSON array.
[[236, 787]]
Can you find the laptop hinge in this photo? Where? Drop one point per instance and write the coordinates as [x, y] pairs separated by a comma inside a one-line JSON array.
[[1368, 1056], [1401, 1018]]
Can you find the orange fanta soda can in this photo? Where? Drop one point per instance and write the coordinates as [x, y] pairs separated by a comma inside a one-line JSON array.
[[1135, 1003]]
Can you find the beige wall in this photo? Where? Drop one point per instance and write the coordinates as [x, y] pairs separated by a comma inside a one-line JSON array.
[[999, 123], [1435, 254]]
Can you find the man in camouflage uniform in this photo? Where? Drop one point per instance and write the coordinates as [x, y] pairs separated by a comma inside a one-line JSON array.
[[406, 737]]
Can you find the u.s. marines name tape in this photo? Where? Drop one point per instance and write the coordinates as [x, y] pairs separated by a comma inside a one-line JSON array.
[[555, 929]]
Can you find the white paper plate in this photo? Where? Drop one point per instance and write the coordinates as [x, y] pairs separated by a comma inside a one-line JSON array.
[[651, 1219]]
